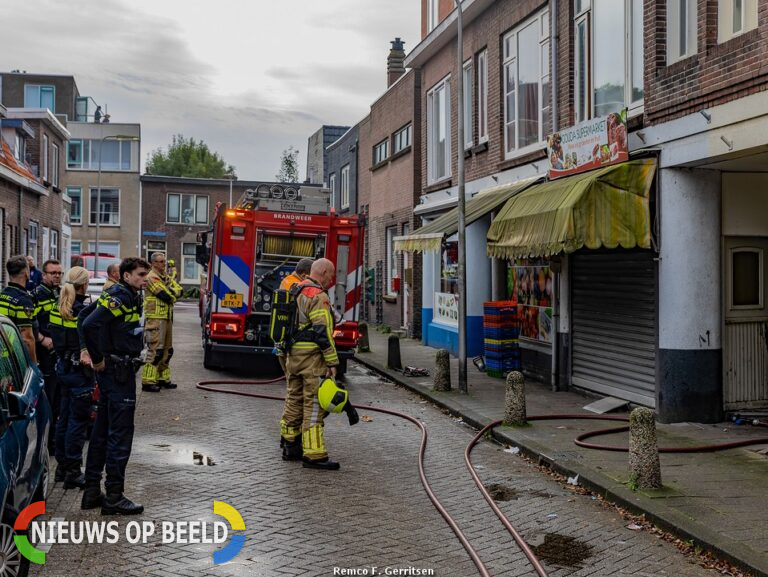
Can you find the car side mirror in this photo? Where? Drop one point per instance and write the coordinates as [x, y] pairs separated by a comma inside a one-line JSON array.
[[17, 406]]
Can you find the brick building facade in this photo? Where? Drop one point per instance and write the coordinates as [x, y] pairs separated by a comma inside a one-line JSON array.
[[33, 207]]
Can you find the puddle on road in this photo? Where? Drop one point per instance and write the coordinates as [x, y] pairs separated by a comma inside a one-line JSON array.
[[501, 492], [182, 456], [562, 550]]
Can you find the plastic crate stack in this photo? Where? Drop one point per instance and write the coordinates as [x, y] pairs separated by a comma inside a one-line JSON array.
[[501, 331]]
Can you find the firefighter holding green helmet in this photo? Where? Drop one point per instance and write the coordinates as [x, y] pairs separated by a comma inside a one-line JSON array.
[[311, 363]]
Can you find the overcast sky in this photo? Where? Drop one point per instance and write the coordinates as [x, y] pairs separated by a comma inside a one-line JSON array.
[[249, 78]]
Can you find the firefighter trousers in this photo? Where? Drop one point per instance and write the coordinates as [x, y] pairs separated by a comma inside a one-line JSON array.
[[158, 342], [302, 414]]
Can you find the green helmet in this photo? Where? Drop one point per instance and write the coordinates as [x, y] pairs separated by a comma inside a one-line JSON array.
[[332, 397]]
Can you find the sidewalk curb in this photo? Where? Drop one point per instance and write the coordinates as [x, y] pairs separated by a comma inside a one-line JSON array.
[[616, 493]]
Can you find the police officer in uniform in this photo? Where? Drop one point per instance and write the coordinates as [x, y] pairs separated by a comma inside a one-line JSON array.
[[162, 292], [46, 296], [112, 334], [76, 381], [311, 358], [17, 304]]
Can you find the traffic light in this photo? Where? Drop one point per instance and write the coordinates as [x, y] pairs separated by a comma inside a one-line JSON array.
[[370, 285]]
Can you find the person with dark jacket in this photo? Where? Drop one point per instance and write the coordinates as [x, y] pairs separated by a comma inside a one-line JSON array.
[[17, 304], [75, 379], [112, 335], [46, 296], [35, 276]]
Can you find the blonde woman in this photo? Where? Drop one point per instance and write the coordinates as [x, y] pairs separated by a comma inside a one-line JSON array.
[[75, 378]]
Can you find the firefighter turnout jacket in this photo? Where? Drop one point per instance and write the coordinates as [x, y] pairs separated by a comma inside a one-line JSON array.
[[161, 294], [315, 322]]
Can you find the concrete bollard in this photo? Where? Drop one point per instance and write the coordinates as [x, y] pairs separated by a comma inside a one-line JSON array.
[[393, 353], [363, 344], [442, 379], [644, 465], [514, 400]]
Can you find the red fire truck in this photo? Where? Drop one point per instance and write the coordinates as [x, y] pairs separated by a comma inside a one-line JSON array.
[[247, 253]]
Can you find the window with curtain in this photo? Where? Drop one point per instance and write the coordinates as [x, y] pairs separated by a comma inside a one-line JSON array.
[[482, 96], [439, 132], [186, 208], [190, 270], [467, 96], [345, 187], [526, 84]]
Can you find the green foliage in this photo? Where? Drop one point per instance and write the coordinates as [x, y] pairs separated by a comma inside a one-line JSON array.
[[189, 158], [289, 166], [192, 293]]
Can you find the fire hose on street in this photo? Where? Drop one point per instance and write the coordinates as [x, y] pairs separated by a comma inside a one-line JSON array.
[[209, 385]]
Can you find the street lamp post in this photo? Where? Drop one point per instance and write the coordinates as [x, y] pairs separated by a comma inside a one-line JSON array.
[[462, 269], [118, 137]]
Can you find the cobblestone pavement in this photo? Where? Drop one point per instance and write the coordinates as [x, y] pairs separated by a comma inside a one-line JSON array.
[[372, 513]]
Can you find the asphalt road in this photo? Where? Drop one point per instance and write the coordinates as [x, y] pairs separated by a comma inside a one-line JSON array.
[[192, 448]]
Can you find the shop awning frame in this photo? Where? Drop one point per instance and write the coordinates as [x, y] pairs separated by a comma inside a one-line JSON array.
[[429, 238], [606, 208]]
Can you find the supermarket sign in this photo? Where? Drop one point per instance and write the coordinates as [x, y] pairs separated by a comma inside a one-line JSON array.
[[591, 144]]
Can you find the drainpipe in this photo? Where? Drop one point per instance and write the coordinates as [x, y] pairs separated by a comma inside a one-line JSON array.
[[555, 126]]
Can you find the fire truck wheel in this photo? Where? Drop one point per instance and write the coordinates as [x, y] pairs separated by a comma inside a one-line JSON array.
[[207, 359]]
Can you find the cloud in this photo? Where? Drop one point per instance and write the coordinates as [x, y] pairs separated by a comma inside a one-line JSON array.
[[249, 79]]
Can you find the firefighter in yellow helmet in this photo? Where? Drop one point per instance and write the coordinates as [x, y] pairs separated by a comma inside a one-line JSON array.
[[161, 294], [311, 358]]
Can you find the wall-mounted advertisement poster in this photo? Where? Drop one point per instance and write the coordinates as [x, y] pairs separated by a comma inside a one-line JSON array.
[[533, 288], [588, 145], [447, 308]]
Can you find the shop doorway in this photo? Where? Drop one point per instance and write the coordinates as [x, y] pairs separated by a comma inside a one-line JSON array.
[[745, 362]]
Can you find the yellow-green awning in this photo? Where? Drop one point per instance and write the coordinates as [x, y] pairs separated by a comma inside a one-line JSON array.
[[603, 208], [430, 236]]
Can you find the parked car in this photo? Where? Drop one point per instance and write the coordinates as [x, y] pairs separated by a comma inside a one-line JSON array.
[[88, 261], [25, 421]]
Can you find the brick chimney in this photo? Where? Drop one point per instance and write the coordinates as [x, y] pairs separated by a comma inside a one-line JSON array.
[[395, 68]]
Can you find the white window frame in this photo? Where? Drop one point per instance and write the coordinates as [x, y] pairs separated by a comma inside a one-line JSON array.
[[510, 61], [54, 253], [345, 186], [390, 234], [45, 158], [402, 139], [726, 24], [381, 152], [55, 165], [19, 148], [433, 10], [443, 86], [102, 244], [78, 190], [196, 221], [681, 15], [92, 198], [582, 82], [332, 185], [482, 96], [468, 96], [46, 244], [584, 11], [184, 257], [34, 229]]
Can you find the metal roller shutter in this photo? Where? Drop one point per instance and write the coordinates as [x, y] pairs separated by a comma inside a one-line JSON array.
[[614, 324]]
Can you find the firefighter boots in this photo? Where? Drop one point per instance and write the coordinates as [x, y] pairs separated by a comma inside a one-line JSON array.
[[322, 464]]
